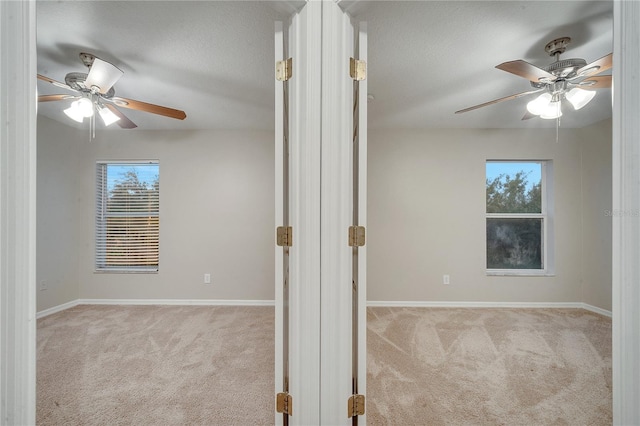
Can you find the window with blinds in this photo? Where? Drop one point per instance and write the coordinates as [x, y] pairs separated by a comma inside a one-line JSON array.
[[127, 216]]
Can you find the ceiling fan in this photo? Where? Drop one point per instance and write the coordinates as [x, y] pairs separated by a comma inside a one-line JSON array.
[[572, 80], [93, 93]]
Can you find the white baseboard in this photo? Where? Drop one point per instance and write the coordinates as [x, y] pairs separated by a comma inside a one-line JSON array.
[[596, 310], [176, 302], [56, 309], [371, 303], [535, 305]]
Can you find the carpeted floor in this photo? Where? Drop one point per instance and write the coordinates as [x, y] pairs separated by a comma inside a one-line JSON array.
[[488, 367], [156, 365], [202, 365]]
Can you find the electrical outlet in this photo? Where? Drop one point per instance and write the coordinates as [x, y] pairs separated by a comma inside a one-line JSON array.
[[207, 278], [445, 279], [43, 285]]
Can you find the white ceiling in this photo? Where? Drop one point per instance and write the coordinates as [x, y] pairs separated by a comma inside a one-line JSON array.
[[427, 59]]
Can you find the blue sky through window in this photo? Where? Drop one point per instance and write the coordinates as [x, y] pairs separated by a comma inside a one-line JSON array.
[[533, 170], [146, 173]]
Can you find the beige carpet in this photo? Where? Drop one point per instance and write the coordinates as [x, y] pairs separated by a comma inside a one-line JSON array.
[[488, 367], [197, 365], [156, 365]]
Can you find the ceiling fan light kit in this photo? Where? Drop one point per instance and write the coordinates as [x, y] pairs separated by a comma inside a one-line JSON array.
[[80, 109], [94, 92], [552, 111], [579, 97], [107, 116], [569, 79]]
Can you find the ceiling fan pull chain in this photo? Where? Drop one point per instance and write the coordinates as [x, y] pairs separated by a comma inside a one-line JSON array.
[[92, 126]]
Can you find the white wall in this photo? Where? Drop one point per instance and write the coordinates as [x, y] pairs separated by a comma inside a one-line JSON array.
[[427, 215], [216, 213]]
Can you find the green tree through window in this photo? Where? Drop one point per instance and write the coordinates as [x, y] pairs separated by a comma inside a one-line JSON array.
[[514, 194], [515, 216]]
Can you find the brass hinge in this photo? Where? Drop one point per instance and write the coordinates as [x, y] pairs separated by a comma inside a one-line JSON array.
[[355, 405], [284, 403], [357, 69], [356, 236], [284, 236], [284, 69]]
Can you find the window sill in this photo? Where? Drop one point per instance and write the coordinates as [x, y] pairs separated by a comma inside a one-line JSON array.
[[125, 271], [519, 273]]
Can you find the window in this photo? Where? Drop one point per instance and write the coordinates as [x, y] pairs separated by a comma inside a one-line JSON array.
[[518, 223], [127, 216]]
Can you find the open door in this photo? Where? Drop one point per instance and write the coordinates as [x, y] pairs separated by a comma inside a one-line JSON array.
[[320, 159]]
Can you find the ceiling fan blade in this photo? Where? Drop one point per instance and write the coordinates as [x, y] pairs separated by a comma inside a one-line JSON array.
[[55, 83], [143, 106], [597, 66], [103, 75], [49, 98], [527, 70], [528, 116], [495, 101], [596, 82], [124, 122]]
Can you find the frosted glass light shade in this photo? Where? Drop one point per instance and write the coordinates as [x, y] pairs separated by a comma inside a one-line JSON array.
[[84, 106], [539, 104], [74, 114], [552, 111], [102, 75], [580, 97], [80, 109], [108, 116]]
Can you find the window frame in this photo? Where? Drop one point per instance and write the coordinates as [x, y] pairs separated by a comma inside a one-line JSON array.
[[546, 215], [100, 231]]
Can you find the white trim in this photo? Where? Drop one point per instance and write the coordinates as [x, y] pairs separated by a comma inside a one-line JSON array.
[[597, 310], [336, 215], [128, 161], [626, 198], [519, 273], [157, 302], [18, 212], [176, 302], [305, 48], [453, 304], [56, 309], [278, 257], [372, 303], [362, 218]]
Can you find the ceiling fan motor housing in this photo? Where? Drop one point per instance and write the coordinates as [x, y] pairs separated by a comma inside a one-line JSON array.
[[564, 69]]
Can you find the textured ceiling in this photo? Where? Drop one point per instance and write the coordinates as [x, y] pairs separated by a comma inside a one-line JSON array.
[[427, 59]]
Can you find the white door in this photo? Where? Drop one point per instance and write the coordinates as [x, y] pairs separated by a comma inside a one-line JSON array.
[[320, 193]]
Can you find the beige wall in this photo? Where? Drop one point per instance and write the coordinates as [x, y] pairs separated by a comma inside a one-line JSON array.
[[426, 215], [216, 213], [596, 215], [57, 236]]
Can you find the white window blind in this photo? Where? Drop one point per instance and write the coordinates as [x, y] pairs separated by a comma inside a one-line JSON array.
[[127, 216]]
